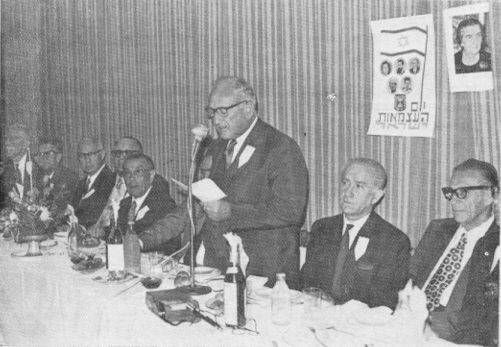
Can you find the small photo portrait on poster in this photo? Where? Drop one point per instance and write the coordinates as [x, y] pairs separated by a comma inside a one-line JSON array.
[[414, 66], [406, 85], [385, 68], [467, 29], [400, 66], [392, 85]]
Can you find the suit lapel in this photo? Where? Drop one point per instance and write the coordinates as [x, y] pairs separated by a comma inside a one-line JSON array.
[[254, 139]]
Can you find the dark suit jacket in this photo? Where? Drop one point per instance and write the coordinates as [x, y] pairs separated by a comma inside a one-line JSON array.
[[9, 178], [376, 277], [447, 323], [159, 204], [268, 196], [89, 209], [65, 182]]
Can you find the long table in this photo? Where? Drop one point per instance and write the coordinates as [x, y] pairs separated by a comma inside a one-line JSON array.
[[44, 302]]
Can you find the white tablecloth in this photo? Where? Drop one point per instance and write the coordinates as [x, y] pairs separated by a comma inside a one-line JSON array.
[[44, 302]]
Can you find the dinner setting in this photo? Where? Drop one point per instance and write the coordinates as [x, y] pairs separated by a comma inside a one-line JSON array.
[[250, 173]]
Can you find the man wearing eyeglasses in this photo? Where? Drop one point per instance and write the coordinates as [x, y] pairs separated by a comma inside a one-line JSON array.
[[264, 175], [450, 248], [145, 205], [55, 182], [93, 190]]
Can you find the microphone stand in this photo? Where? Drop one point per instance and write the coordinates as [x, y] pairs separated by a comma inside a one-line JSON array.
[[193, 288]]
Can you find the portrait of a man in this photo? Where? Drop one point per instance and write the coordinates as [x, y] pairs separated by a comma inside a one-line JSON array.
[[400, 66], [385, 68], [415, 66]]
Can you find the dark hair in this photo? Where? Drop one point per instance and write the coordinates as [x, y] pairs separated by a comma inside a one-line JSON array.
[[378, 171], [239, 85], [407, 78], [470, 22], [487, 170], [141, 156], [51, 140]]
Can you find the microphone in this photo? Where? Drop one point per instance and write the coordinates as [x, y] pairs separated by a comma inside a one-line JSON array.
[[200, 131]]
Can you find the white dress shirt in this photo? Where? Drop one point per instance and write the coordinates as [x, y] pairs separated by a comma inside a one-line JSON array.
[[472, 236], [21, 167], [139, 201], [93, 177], [241, 139], [357, 225]]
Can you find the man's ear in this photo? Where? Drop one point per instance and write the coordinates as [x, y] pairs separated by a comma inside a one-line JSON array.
[[378, 195], [58, 157]]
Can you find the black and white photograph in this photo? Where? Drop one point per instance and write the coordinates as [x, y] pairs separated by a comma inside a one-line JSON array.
[[251, 173]]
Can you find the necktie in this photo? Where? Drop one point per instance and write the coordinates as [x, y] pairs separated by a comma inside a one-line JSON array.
[[132, 212], [230, 147], [340, 261], [445, 274], [46, 181]]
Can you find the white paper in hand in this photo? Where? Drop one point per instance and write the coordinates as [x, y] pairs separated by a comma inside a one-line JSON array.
[[206, 190]]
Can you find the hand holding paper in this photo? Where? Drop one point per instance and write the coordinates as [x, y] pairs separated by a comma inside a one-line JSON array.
[[204, 190]]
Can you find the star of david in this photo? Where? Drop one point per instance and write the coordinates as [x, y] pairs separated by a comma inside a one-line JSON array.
[[403, 41]]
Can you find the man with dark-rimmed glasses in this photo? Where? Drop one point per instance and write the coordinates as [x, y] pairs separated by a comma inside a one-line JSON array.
[[55, 182], [458, 253], [93, 190], [264, 175]]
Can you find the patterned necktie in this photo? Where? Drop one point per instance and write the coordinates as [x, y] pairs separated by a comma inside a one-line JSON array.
[[445, 274], [132, 212], [230, 147], [340, 261]]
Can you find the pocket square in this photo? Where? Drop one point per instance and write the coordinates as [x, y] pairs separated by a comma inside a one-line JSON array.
[[246, 155], [361, 247], [142, 211], [89, 193]]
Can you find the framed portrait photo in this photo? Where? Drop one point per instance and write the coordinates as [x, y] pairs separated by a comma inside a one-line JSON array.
[[468, 47]]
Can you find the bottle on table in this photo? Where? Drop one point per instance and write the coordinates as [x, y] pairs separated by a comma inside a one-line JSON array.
[[234, 292], [132, 250], [114, 248], [280, 302]]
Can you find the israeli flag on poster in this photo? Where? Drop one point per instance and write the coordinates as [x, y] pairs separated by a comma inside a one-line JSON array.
[[403, 83]]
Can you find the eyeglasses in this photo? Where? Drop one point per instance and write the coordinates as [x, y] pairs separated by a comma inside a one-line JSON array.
[[47, 154], [88, 155], [460, 192], [123, 153], [136, 174], [211, 112]]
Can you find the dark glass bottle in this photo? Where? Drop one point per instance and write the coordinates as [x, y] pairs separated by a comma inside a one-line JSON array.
[[114, 248], [234, 296]]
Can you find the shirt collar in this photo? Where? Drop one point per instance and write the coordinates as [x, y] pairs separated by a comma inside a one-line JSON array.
[[139, 201], [242, 137], [21, 165], [473, 235], [357, 224], [93, 177]]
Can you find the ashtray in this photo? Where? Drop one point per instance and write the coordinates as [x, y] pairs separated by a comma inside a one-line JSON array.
[[151, 282]]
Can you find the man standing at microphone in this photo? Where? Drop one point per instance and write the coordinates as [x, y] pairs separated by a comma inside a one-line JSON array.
[[264, 175]]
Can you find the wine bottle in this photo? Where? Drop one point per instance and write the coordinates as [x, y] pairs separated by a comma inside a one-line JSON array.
[[132, 250], [114, 248], [234, 296]]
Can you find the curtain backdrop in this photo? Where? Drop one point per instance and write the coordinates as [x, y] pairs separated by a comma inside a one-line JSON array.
[[145, 67]]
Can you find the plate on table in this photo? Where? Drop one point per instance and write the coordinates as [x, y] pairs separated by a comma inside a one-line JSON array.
[[374, 316], [205, 270], [48, 243], [113, 277], [264, 293], [22, 254], [88, 265]]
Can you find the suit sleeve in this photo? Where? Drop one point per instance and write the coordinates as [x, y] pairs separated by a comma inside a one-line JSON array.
[[311, 264], [164, 229], [286, 205], [393, 275]]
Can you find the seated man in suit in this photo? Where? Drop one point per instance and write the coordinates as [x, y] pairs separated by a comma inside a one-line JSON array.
[[146, 203], [92, 191], [54, 182], [264, 175], [18, 171], [443, 264], [357, 254]]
